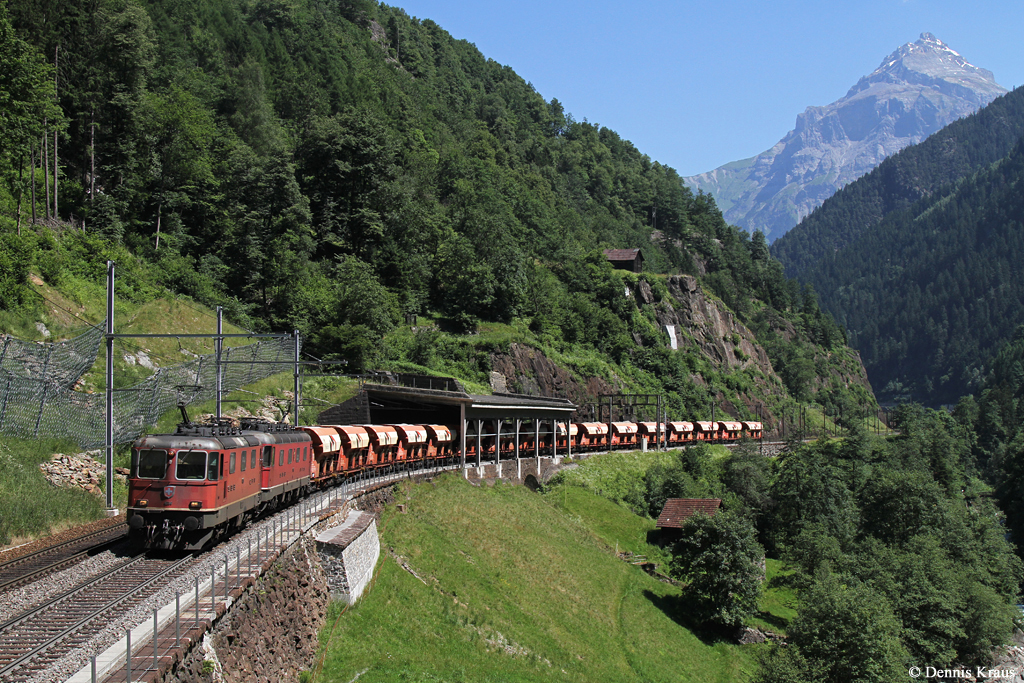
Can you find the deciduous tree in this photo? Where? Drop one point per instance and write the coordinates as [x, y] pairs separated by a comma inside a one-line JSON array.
[[720, 560]]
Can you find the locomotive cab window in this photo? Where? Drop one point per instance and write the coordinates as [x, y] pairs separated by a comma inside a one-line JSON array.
[[191, 465], [268, 456], [211, 469], [150, 464], [252, 459], [245, 456]]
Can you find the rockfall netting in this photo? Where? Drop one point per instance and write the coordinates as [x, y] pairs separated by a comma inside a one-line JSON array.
[[59, 364], [37, 399]]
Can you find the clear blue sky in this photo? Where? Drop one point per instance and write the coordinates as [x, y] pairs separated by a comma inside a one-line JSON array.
[[699, 84]]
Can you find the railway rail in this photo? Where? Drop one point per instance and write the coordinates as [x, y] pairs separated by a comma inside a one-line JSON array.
[[33, 566], [31, 641]]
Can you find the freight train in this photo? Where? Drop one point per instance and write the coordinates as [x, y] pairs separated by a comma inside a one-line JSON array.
[[188, 489]]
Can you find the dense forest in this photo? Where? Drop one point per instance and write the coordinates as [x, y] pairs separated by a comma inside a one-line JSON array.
[[993, 418], [333, 166], [920, 259], [901, 555], [896, 545]]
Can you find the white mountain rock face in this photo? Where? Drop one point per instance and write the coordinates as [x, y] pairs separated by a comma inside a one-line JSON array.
[[917, 90]]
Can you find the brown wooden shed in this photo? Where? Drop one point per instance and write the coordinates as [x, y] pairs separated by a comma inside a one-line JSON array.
[[626, 259], [678, 510]]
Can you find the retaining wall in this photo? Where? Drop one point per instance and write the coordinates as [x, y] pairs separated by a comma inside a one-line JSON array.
[[348, 554], [270, 632]]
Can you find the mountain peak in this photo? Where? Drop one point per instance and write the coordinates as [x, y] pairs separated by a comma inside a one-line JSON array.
[[919, 88], [927, 62]]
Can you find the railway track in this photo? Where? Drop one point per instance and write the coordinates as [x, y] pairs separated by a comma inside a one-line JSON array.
[[33, 640], [32, 567]]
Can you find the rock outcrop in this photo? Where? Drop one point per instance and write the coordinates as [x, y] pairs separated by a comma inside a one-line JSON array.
[[704, 323], [710, 326], [525, 370], [80, 471], [917, 90]]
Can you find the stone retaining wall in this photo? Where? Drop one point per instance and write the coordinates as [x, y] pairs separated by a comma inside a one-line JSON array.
[[349, 553], [270, 632]]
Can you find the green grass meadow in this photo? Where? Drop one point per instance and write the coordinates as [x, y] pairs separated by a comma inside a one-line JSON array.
[[29, 505], [518, 586]]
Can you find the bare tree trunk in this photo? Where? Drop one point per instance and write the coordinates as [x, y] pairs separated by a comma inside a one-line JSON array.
[[33, 183], [55, 174], [56, 49], [21, 189], [92, 156], [159, 209], [46, 170]]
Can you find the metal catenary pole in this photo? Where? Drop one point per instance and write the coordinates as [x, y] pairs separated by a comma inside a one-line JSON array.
[[295, 398], [42, 401], [219, 348], [109, 438]]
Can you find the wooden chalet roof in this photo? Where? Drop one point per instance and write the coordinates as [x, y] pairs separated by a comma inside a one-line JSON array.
[[678, 510], [621, 254]]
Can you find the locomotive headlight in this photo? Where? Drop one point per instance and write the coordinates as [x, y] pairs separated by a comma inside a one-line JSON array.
[[195, 505], [142, 502]]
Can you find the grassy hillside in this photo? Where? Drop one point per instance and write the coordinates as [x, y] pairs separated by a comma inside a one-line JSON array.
[[518, 588], [29, 506]]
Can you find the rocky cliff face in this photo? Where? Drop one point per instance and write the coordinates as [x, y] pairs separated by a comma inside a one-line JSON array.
[[525, 370], [693, 320], [918, 89], [707, 324]]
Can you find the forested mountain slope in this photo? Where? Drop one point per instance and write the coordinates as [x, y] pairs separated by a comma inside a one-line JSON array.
[[921, 259], [993, 419], [959, 149], [331, 167]]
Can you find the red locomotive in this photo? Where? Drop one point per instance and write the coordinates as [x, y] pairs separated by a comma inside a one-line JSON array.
[[189, 488]]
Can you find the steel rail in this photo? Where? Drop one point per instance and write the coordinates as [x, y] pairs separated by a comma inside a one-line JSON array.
[[67, 594], [19, 579], [90, 615]]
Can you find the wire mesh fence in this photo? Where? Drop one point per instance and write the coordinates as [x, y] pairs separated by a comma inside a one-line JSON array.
[[59, 364], [36, 399]]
